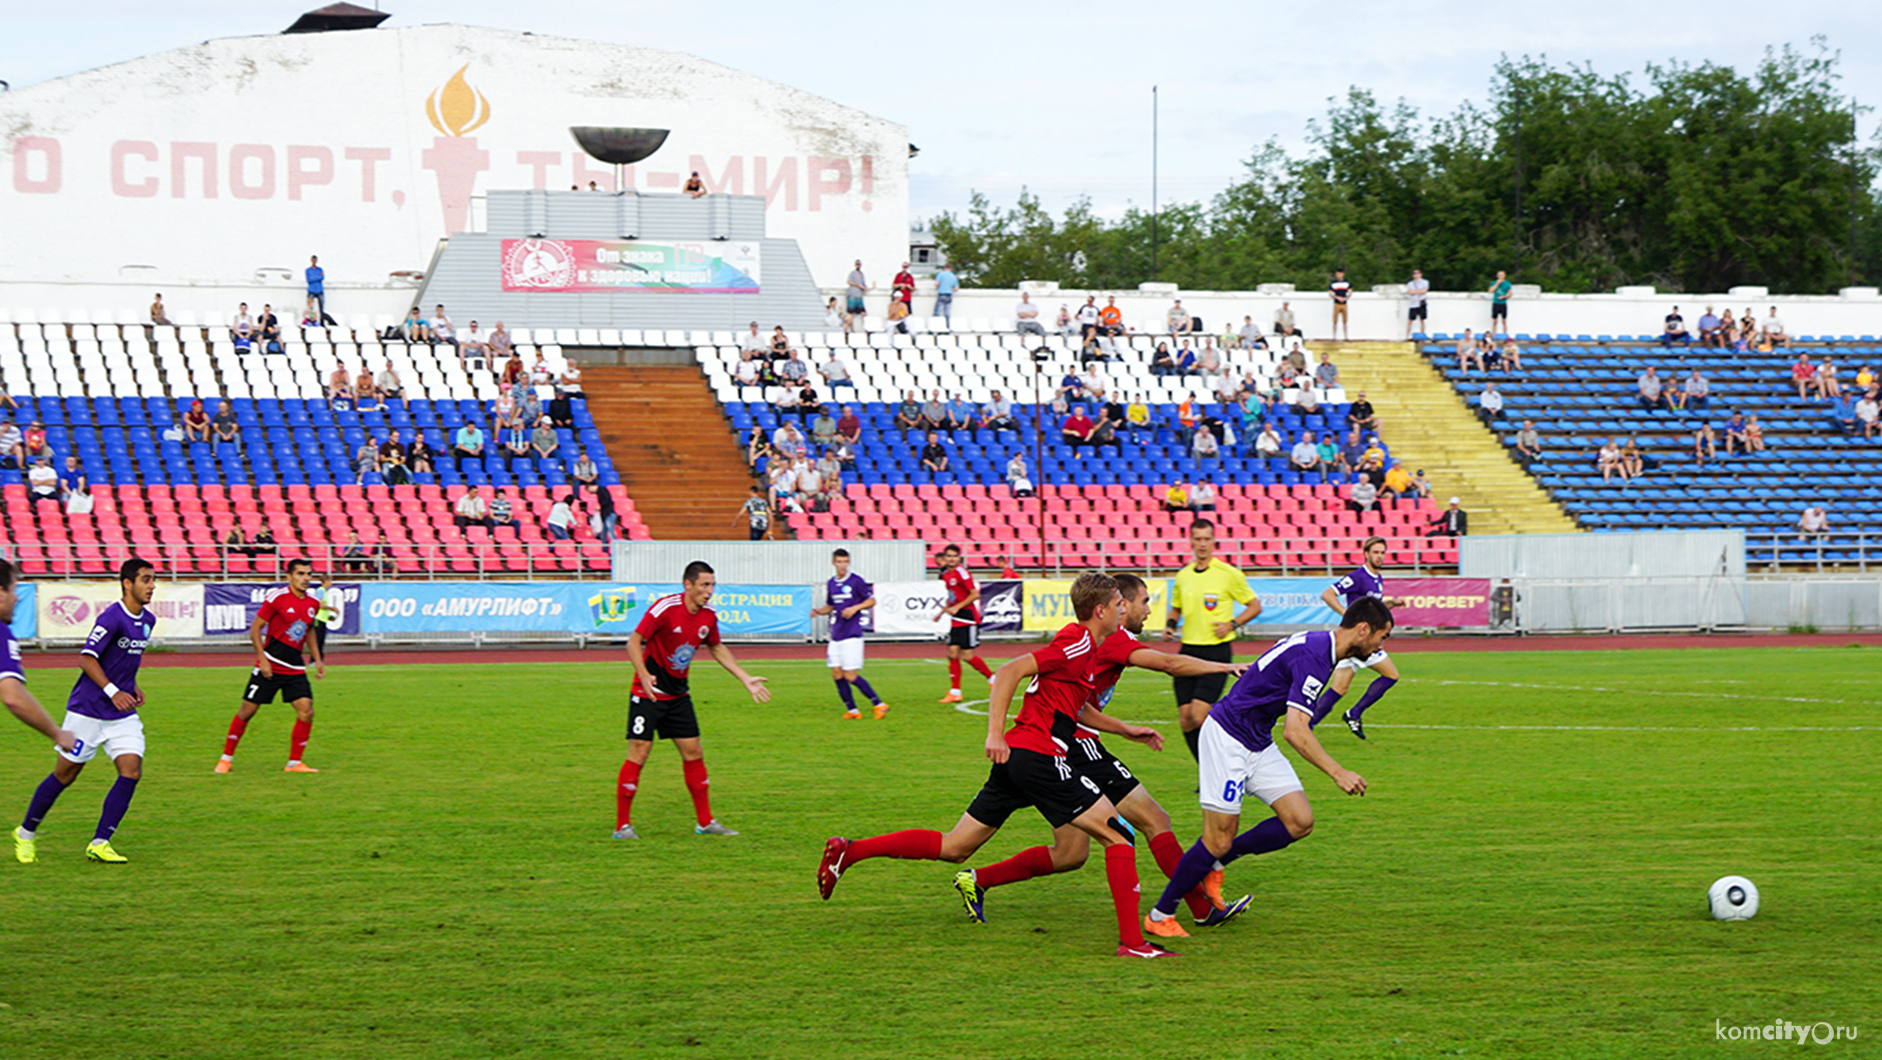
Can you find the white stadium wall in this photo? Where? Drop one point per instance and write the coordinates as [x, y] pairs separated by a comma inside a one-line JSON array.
[[199, 170]]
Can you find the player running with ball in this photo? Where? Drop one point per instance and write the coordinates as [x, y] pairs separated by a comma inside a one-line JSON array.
[[1238, 756], [1367, 581], [1089, 758]]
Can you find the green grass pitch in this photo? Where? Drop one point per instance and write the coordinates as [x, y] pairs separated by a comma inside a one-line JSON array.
[[1526, 877]]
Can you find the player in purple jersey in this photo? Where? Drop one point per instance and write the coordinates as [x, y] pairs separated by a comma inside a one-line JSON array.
[[1237, 755], [845, 598], [1367, 581], [20, 702], [102, 714]]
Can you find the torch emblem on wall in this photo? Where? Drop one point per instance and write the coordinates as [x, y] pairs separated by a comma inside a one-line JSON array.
[[455, 109]]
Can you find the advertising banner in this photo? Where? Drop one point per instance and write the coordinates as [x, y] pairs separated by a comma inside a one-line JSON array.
[[1292, 602], [26, 611], [1441, 601], [590, 265], [593, 607], [1048, 604], [228, 609], [907, 609], [1002, 606], [66, 610]]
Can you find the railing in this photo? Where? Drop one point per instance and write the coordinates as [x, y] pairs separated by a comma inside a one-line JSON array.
[[1831, 550], [545, 561], [1267, 555]]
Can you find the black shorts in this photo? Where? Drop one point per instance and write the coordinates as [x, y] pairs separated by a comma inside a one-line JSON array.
[[1090, 759], [1417, 312], [1499, 309], [1047, 783], [967, 637], [261, 690], [666, 719], [1208, 687]]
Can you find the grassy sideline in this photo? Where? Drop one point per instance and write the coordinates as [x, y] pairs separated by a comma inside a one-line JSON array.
[[1526, 877]]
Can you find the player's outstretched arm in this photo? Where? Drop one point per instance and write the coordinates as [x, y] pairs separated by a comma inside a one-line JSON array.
[[1299, 735], [1006, 680], [1171, 621], [753, 685], [1097, 719], [1182, 665], [122, 698], [21, 704], [1332, 597]]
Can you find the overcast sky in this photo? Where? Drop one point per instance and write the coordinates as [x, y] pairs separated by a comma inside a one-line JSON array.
[[1056, 97]]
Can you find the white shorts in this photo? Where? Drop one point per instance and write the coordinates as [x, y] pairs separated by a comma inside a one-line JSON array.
[[1367, 663], [124, 736], [845, 654], [1229, 770]]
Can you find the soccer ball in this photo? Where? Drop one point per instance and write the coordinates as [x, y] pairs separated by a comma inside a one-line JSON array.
[[1733, 898]]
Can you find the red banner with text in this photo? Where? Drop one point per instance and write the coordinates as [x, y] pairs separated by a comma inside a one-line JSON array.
[[1440, 601]]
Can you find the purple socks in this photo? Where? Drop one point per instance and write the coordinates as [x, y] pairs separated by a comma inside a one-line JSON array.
[[1266, 837], [117, 801], [843, 690], [44, 796], [862, 683], [1380, 686]]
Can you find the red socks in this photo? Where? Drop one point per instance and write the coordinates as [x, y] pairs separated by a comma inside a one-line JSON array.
[[1168, 851], [979, 664], [696, 786], [1120, 871], [236, 728], [915, 844], [1033, 861], [297, 743], [954, 674], [624, 791]]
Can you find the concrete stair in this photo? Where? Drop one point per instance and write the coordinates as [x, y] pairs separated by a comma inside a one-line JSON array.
[[1428, 425], [675, 453]]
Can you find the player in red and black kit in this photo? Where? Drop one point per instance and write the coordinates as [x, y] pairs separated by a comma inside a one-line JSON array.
[[1030, 767], [963, 609], [282, 630], [662, 647], [1089, 758]]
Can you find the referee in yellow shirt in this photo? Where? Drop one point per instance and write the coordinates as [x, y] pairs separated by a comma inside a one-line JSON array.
[[1206, 592]]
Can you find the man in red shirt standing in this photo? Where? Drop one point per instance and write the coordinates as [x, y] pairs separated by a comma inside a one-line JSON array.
[[903, 286], [963, 608], [280, 633], [662, 647], [1030, 768]]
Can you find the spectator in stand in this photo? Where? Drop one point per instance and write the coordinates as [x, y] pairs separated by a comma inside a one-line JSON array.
[[1528, 444], [1420, 485], [1305, 457], [1104, 432], [788, 442], [1268, 442], [1815, 522], [945, 284], [196, 423], [1490, 403], [746, 371], [1161, 363], [1735, 440], [1178, 321], [1329, 453], [1062, 324], [242, 328], [933, 457], [1754, 434], [33, 441], [1186, 363], [469, 445], [1867, 409], [791, 371], [810, 491], [1865, 380], [1249, 334], [1843, 414], [934, 413], [440, 326], [1705, 444], [1500, 303], [317, 286], [908, 415], [822, 429], [365, 391], [845, 452], [1094, 383], [1111, 318], [1026, 316], [855, 314], [1827, 384], [1361, 414], [1633, 458], [1284, 321], [1017, 479], [470, 510], [1608, 461], [1137, 420], [268, 330], [1398, 481], [1511, 356], [473, 343], [585, 472], [500, 343], [1804, 374], [1675, 330], [753, 341], [1339, 291], [997, 414], [1351, 453], [223, 427], [902, 288], [694, 187], [1363, 498], [74, 490], [1088, 318], [1697, 388], [1774, 329], [960, 414], [514, 435], [1468, 352], [1077, 428], [1228, 389], [561, 518], [339, 387], [1208, 361], [1453, 521], [1186, 415], [836, 373], [1327, 375], [1417, 292], [502, 510], [1709, 328], [1652, 394], [42, 480], [414, 328], [12, 448], [544, 440], [390, 460], [157, 315], [1202, 496], [365, 459], [1176, 498]]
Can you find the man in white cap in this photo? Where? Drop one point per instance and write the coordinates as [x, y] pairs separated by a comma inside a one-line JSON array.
[[1452, 522]]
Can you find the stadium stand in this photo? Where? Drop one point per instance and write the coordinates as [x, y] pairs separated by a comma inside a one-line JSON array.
[[1582, 390], [113, 394]]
